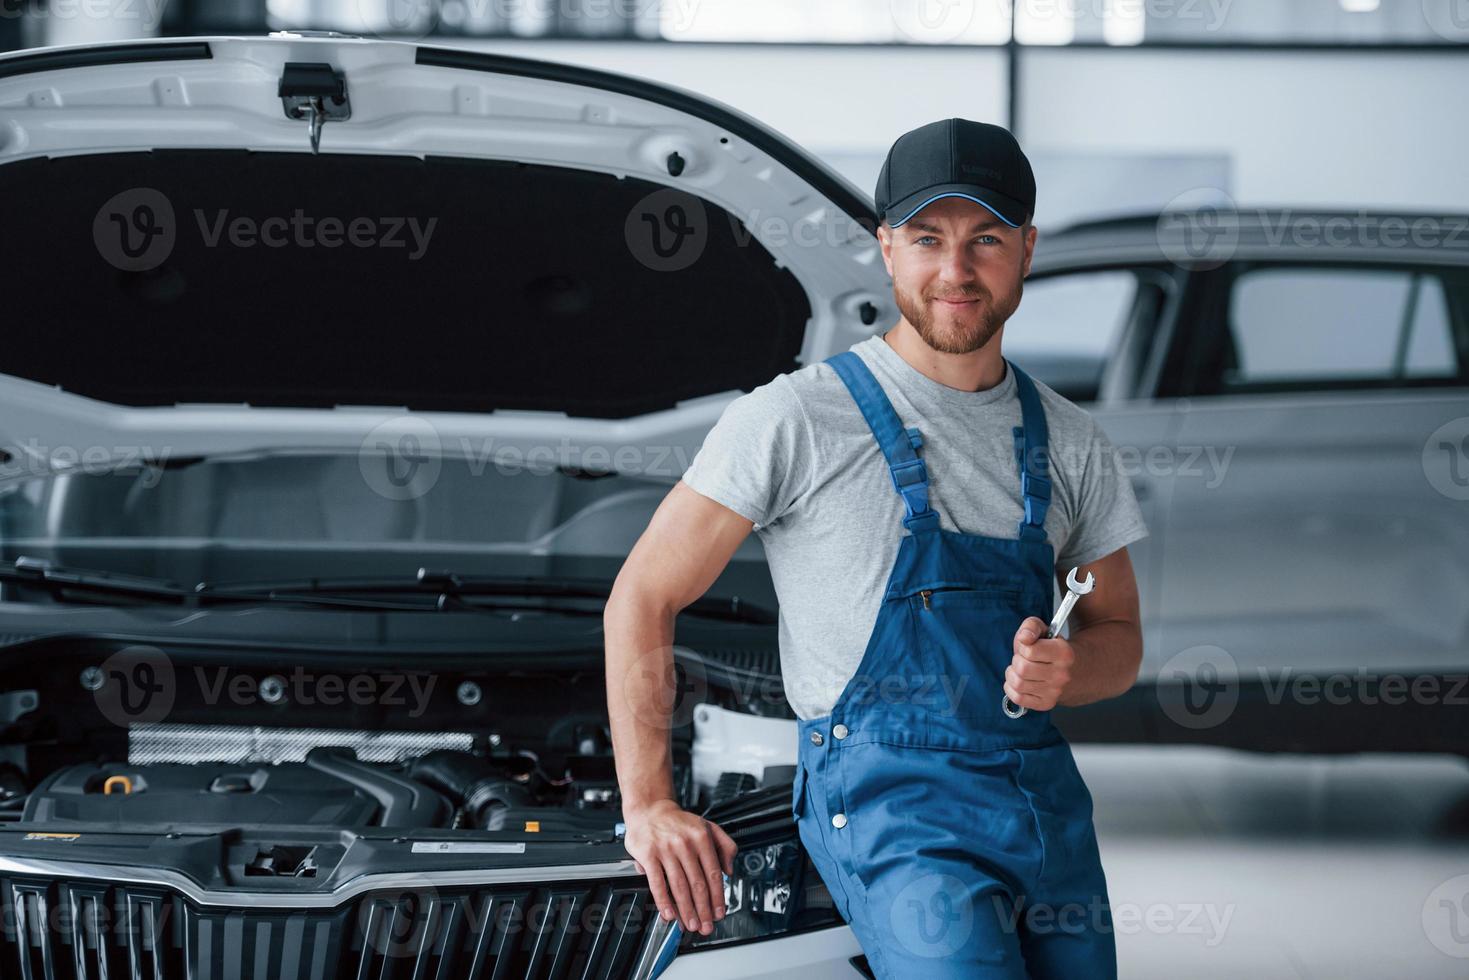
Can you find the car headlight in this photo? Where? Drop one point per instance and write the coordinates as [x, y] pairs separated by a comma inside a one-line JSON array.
[[775, 890]]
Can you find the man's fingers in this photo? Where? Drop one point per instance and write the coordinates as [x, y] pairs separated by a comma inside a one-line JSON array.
[[713, 874], [678, 883], [699, 889], [1032, 628], [727, 847], [661, 894]]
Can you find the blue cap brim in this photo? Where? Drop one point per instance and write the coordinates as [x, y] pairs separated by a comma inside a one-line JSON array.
[[1007, 209]]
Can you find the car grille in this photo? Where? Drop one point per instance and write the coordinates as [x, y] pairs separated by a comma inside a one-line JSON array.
[[94, 930]]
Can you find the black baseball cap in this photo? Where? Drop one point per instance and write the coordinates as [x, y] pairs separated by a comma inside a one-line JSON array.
[[956, 158]]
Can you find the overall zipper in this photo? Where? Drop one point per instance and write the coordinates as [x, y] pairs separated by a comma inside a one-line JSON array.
[[927, 594]]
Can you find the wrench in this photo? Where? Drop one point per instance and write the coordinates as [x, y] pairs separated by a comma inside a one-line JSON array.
[[1074, 590]]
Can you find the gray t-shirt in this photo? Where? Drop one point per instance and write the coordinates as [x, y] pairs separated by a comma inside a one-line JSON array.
[[796, 457]]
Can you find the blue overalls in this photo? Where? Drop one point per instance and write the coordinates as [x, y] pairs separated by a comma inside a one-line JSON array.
[[956, 841]]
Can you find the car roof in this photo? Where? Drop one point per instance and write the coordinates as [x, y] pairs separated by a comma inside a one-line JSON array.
[[1296, 234]]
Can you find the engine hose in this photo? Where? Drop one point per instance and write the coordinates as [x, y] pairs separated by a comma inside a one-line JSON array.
[[474, 783]]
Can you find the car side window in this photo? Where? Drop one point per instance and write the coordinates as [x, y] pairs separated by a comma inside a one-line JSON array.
[[1312, 328], [1066, 326]]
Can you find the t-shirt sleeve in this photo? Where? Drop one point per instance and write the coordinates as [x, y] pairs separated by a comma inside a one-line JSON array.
[[757, 459], [1108, 515]]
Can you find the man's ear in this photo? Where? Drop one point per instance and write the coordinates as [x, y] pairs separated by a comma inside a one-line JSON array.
[[885, 240], [1030, 236]]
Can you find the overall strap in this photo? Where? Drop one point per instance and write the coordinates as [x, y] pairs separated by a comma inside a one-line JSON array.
[[1032, 454], [910, 476]]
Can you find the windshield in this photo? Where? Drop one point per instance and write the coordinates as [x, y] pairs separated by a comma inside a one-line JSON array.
[[349, 515]]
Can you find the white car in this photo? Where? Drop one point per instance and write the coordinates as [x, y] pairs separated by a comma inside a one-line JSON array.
[[339, 376]]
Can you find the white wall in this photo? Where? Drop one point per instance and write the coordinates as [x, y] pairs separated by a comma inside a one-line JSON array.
[[1108, 130], [1313, 128], [838, 100]]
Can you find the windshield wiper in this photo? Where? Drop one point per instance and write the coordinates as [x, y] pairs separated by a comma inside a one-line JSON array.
[[40, 571], [451, 587], [62, 579], [445, 591]]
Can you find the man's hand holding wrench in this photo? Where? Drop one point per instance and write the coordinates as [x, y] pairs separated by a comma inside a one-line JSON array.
[[1042, 663]]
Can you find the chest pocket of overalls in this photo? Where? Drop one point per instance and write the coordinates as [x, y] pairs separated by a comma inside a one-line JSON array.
[[966, 631]]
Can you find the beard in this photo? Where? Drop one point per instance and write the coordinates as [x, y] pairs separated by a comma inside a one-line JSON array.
[[958, 332]]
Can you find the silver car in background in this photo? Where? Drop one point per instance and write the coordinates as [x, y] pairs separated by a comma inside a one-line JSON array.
[[1289, 392]]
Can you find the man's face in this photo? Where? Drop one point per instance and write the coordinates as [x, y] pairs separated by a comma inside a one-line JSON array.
[[958, 272]]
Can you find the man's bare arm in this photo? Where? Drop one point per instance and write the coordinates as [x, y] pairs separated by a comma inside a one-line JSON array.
[[688, 542]]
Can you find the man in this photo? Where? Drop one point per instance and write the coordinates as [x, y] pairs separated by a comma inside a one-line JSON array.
[[912, 494]]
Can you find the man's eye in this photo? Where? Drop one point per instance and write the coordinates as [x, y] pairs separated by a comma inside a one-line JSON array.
[[925, 238], [989, 239]]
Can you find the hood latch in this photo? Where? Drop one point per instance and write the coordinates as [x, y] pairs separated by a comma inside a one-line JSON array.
[[315, 92]]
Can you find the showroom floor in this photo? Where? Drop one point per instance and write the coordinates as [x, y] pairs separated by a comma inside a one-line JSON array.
[[1230, 864]]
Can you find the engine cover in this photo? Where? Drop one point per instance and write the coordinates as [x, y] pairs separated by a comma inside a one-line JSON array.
[[206, 793]]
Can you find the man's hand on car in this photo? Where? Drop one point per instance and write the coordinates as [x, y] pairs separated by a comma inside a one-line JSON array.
[[683, 856]]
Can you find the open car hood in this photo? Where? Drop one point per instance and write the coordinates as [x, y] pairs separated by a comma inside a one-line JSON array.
[[484, 248]]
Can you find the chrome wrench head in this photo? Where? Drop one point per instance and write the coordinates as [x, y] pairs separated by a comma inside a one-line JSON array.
[[1080, 588]]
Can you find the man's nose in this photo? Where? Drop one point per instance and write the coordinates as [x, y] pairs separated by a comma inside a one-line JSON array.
[[958, 265]]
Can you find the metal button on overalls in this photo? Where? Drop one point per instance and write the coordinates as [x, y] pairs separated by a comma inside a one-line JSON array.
[[966, 846]]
